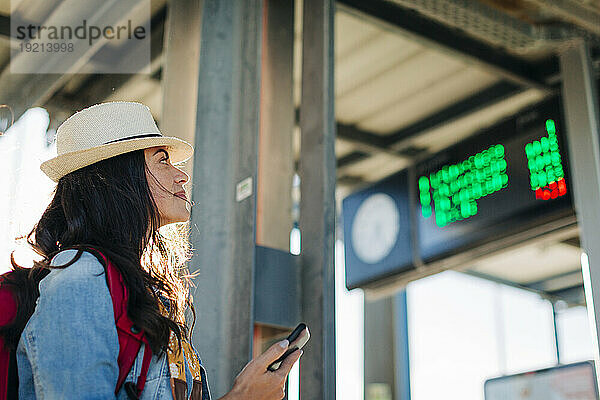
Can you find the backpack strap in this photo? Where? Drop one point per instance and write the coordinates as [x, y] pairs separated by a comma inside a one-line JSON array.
[[8, 376], [130, 336]]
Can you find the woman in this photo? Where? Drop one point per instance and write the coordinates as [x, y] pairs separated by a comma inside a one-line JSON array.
[[116, 186]]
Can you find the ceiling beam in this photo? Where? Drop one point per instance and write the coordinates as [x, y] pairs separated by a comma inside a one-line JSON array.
[[476, 102], [350, 180], [558, 282], [4, 26], [366, 142], [455, 41], [574, 296], [366, 145], [352, 134], [570, 296], [585, 16], [397, 142], [98, 87], [351, 158], [22, 91]]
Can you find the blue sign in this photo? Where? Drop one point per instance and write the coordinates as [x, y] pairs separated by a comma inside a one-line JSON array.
[[377, 239]]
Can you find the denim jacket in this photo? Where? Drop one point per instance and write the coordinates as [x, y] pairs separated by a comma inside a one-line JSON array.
[[69, 347]]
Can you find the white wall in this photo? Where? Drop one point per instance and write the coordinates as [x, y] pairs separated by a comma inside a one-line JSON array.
[[25, 189]]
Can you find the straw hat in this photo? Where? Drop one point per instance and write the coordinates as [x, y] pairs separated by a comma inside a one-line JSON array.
[[106, 130]]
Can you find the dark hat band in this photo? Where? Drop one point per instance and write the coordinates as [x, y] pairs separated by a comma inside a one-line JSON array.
[[136, 137]]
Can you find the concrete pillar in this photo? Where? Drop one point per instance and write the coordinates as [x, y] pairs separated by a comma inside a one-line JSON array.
[[317, 206], [225, 174], [580, 100], [275, 154]]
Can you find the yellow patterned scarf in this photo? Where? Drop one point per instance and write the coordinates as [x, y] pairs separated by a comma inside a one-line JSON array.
[[177, 360]]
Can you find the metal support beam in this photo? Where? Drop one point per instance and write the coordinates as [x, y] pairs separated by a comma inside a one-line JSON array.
[[366, 141], [452, 40], [580, 99], [556, 335], [571, 295], [317, 207], [575, 11], [360, 137], [401, 346], [225, 172], [380, 376], [351, 180], [351, 158]]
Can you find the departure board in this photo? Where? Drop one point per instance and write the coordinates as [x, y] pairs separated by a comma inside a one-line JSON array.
[[507, 178]]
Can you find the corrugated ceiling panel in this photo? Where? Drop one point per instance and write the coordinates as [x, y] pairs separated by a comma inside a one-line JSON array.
[[531, 263], [372, 58], [399, 82], [453, 132], [351, 32], [377, 167], [429, 100], [343, 147]]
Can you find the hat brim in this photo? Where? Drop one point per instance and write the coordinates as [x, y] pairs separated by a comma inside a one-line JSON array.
[[57, 167]]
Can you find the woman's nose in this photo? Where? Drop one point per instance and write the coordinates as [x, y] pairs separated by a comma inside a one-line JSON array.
[[181, 177]]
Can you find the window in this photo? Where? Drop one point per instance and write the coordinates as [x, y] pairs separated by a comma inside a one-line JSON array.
[[464, 330]]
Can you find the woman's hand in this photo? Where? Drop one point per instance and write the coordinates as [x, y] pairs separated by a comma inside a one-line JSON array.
[[254, 382]]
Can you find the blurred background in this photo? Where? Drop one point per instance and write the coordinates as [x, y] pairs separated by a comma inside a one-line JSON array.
[[398, 89]]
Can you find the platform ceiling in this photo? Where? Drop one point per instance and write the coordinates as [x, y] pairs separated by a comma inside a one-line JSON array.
[[402, 91]]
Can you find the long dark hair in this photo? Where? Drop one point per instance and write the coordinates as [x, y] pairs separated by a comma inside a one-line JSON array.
[[109, 206]]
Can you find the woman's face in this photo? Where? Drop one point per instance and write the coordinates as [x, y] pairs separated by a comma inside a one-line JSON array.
[[172, 208]]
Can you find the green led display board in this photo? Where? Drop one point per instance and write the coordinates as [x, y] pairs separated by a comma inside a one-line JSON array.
[[509, 177], [454, 189], [505, 184], [546, 171], [451, 192]]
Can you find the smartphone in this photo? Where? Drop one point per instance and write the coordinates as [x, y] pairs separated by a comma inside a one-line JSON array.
[[297, 339]]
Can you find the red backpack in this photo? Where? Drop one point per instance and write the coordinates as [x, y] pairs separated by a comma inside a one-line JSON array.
[[130, 337]]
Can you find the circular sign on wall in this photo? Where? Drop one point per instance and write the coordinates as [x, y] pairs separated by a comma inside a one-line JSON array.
[[375, 228]]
